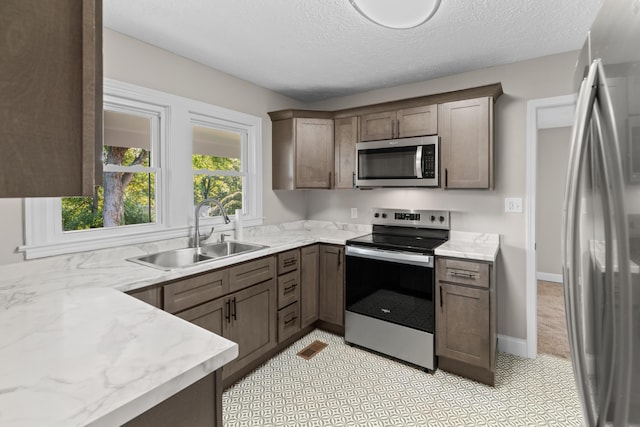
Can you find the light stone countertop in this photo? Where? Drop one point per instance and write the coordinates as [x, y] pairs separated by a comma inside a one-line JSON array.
[[75, 350], [472, 246]]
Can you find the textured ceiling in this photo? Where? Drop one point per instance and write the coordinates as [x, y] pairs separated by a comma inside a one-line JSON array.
[[316, 49]]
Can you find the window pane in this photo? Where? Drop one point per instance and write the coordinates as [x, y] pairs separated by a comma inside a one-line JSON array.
[[127, 139], [129, 198], [125, 197], [216, 149], [227, 189]]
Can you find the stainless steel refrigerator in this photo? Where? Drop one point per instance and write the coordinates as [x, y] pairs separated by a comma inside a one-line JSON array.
[[602, 220]]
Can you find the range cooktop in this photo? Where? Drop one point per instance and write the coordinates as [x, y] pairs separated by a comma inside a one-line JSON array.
[[406, 230]]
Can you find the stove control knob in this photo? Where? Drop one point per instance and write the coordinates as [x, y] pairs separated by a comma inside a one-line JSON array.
[[433, 218], [376, 215], [441, 218], [384, 215]]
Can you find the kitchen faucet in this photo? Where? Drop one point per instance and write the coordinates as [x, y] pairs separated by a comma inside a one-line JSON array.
[[196, 234]]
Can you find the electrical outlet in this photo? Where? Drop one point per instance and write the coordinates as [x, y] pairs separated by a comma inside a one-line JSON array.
[[513, 204], [354, 213]]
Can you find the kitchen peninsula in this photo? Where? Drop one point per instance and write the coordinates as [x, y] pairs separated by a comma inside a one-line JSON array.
[[77, 349]]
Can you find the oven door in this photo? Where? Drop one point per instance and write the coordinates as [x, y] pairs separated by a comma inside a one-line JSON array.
[[392, 286]]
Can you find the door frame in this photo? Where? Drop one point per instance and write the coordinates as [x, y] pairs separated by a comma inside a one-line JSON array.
[[543, 113]]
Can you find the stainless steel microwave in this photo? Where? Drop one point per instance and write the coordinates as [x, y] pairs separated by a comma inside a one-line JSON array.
[[406, 162]]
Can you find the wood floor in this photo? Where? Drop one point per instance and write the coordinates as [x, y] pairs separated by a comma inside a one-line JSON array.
[[552, 325]]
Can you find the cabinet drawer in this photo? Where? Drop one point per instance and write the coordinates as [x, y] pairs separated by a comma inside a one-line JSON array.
[[288, 288], [251, 273], [463, 272], [288, 261], [288, 321], [195, 290]]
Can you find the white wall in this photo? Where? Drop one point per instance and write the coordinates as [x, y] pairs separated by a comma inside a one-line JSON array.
[[553, 160], [478, 210]]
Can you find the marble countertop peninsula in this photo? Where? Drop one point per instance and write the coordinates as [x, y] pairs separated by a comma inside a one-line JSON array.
[[75, 350], [473, 246]]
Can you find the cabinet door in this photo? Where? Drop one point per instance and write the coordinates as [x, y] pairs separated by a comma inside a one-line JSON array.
[[331, 304], [378, 126], [463, 324], [466, 144], [418, 121], [212, 316], [314, 153], [309, 266], [253, 324], [51, 103], [346, 137]]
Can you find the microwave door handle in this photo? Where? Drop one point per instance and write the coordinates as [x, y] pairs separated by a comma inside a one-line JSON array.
[[419, 161]]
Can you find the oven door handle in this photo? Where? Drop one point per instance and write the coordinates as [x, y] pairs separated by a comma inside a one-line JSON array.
[[399, 257]]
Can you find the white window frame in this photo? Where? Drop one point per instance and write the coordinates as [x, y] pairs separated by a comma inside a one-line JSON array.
[[174, 191]]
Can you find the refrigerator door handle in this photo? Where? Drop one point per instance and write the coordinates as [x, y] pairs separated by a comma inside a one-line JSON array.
[[571, 231], [606, 365], [623, 333]]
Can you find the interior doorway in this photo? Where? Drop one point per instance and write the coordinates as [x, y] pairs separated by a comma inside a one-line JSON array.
[[546, 119], [553, 146]]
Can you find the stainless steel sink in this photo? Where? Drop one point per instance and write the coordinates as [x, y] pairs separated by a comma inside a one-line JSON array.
[[223, 249], [188, 257]]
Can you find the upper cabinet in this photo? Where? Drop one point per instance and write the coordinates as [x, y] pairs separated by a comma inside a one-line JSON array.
[[317, 149], [416, 121], [346, 137], [466, 143], [51, 103], [302, 149]]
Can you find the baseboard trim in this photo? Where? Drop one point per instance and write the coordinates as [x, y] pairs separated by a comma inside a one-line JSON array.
[[549, 277], [511, 345]]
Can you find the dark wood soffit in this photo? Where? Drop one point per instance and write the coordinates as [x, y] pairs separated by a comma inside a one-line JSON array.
[[494, 90]]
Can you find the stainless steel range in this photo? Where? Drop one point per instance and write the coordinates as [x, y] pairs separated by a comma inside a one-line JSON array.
[[390, 282]]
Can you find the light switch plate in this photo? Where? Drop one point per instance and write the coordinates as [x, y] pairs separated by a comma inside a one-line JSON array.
[[513, 204]]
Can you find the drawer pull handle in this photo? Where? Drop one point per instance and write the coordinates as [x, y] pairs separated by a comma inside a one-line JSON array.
[[290, 288], [234, 309], [228, 315], [465, 275], [290, 262], [293, 319]]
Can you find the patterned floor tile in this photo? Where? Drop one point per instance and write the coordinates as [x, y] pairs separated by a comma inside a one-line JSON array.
[[348, 386]]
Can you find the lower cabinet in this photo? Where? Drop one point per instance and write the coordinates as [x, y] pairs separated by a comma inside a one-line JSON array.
[[199, 405], [247, 317], [251, 322], [331, 294], [466, 318], [309, 279], [148, 295]]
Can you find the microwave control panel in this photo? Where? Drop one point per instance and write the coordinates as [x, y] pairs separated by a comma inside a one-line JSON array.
[[429, 161]]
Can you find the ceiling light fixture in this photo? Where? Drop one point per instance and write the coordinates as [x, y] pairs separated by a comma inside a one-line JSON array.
[[397, 14]]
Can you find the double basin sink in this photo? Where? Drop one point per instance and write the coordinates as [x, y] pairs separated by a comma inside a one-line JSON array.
[[188, 257]]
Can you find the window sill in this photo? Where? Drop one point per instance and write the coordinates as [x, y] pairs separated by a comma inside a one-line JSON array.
[[91, 243]]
